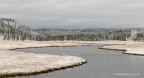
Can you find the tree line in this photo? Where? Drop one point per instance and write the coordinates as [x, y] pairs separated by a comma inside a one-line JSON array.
[[11, 30], [118, 35], [122, 35]]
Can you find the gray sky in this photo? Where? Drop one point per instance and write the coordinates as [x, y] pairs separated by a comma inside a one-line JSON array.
[[75, 13]]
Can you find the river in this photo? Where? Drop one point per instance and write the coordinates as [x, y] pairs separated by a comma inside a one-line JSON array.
[[101, 63]]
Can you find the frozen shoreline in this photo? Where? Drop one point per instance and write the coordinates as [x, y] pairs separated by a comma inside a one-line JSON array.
[[13, 63], [128, 47]]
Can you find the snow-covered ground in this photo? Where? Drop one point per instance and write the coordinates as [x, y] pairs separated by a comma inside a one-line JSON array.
[[135, 51], [18, 63], [129, 47], [15, 62]]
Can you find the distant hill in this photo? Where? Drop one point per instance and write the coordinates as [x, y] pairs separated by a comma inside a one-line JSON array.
[[99, 30], [10, 29], [71, 31], [58, 31]]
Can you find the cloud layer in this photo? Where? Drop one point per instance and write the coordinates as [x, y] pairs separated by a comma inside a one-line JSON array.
[[75, 13]]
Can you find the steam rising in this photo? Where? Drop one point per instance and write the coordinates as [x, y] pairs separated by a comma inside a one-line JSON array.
[[133, 35]]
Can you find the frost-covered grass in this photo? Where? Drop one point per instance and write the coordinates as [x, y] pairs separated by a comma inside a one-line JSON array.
[[18, 63], [5, 45], [129, 47], [14, 63], [135, 51]]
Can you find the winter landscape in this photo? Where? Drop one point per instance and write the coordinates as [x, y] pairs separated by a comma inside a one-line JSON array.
[[71, 39], [17, 36]]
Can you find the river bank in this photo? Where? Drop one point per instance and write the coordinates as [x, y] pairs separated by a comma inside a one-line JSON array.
[[13, 63], [128, 47]]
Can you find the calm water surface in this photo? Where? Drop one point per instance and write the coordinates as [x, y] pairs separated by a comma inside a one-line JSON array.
[[101, 63]]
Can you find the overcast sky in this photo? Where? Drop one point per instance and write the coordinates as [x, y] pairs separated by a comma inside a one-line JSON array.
[[75, 13]]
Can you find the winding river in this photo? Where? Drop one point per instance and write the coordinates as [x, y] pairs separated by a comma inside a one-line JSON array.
[[101, 63]]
